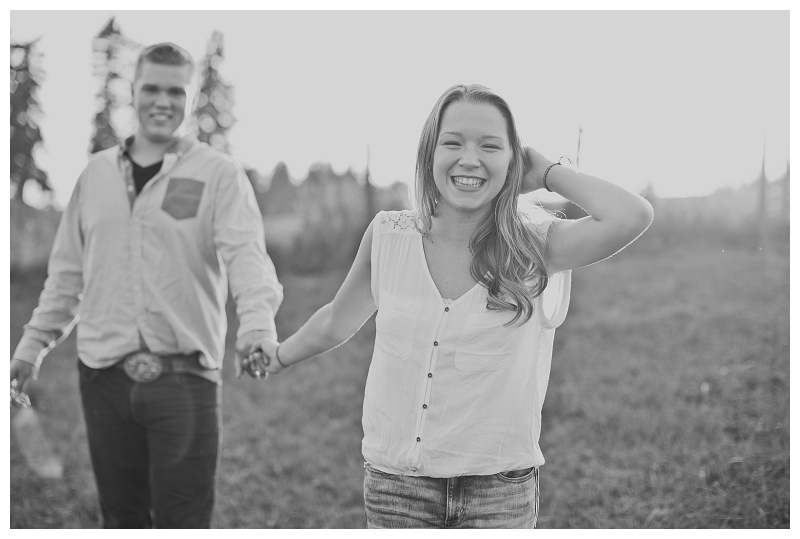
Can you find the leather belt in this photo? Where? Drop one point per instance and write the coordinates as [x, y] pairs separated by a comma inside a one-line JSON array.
[[145, 367]]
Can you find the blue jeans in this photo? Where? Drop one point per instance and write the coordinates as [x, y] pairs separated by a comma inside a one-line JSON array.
[[504, 500], [154, 447]]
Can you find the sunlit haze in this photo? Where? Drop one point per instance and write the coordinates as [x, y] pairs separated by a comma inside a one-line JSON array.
[[682, 99]]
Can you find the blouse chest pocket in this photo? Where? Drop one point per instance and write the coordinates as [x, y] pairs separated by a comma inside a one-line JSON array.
[[485, 343], [395, 325]]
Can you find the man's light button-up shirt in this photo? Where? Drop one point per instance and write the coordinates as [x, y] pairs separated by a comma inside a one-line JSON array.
[[156, 267]]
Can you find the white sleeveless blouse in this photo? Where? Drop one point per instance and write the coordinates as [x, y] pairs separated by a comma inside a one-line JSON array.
[[450, 390]]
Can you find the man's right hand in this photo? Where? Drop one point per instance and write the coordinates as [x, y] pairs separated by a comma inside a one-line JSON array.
[[21, 371]]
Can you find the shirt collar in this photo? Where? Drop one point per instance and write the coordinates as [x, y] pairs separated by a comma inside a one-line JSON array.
[[179, 147]]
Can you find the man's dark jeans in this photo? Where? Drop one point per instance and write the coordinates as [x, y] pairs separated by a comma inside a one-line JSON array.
[[154, 447]]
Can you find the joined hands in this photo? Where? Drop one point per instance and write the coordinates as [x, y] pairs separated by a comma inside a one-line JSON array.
[[262, 361]]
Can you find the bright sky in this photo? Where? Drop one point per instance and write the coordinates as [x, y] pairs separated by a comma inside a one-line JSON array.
[[681, 98]]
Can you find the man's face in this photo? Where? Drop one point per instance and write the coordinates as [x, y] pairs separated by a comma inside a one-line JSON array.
[[161, 95]]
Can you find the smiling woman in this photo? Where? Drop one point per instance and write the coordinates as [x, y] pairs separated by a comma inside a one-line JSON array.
[[469, 292], [469, 164]]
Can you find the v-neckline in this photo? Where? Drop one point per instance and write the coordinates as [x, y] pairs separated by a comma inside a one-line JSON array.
[[435, 288]]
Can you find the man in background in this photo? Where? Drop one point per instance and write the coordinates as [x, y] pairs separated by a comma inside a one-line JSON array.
[[153, 232]]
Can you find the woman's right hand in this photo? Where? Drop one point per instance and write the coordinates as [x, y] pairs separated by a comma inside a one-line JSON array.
[[327, 328], [263, 357]]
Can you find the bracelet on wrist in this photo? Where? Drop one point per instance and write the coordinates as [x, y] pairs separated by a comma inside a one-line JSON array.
[[544, 177], [278, 358]]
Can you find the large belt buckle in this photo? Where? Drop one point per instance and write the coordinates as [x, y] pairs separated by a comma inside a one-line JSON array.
[[143, 367]]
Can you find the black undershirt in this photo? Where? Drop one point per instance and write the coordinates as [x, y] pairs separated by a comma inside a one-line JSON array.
[[142, 175]]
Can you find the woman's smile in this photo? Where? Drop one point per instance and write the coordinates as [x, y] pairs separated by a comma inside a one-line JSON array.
[[468, 183]]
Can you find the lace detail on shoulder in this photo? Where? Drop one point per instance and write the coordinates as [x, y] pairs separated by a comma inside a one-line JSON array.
[[537, 218], [399, 222]]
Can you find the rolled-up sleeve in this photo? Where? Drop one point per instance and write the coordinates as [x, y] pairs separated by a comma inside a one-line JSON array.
[[57, 311], [239, 237]]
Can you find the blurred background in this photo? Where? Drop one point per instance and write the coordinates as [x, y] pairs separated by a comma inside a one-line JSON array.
[[668, 403]]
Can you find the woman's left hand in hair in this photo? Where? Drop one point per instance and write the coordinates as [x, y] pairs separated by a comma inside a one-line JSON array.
[[535, 165]]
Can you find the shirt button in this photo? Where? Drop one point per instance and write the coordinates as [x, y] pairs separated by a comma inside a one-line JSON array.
[[447, 309], [424, 406], [419, 439], [430, 375], [436, 343]]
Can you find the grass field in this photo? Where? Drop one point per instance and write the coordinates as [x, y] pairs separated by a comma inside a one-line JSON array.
[[668, 407]]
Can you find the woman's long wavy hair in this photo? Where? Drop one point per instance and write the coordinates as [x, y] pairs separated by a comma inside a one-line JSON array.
[[508, 259]]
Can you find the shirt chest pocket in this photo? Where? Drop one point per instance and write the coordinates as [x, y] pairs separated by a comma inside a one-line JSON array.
[[485, 343], [182, 198], [395, 325]]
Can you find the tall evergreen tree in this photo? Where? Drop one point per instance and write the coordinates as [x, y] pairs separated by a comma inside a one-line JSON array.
[[25, 134], [215, 100], [114, 58]]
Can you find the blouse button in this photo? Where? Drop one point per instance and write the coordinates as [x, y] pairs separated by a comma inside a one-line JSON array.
[[447, 309], [430, 375], [436, 343], [419, 439], [424, 406]]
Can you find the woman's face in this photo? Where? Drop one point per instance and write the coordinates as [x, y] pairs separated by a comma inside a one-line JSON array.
[[472, 155]]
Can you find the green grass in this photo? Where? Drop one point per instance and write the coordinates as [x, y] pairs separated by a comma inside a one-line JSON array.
[[631, 438]]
